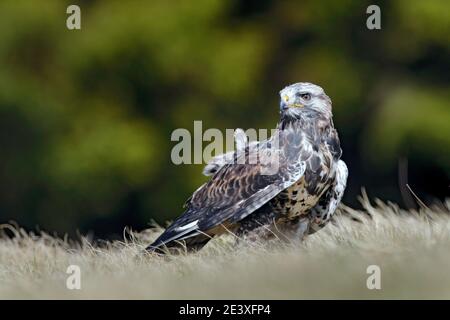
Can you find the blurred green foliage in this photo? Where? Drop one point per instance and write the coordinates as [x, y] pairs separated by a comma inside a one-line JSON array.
[[86, 115]]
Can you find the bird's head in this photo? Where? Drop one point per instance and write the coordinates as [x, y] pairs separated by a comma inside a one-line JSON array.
[[302, 97]]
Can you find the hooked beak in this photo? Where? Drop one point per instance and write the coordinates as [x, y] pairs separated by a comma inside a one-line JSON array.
[[284, 104]]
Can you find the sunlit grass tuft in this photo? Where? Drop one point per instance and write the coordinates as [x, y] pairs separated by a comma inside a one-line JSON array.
[[411, 248]]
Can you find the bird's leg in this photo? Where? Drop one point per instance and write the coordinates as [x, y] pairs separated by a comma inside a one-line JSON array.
[[257, 227], [295, 229], [303, 228], [256, 235]]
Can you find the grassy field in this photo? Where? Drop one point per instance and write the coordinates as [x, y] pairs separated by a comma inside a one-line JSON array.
[[412, 250]]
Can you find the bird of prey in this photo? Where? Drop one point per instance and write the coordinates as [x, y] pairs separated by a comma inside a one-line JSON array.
[[289, 184]]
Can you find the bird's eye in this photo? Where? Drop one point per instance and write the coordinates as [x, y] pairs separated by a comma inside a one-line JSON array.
[[305, 96]]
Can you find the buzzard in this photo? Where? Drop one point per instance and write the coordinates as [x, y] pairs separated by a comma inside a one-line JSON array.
[[288, 185]]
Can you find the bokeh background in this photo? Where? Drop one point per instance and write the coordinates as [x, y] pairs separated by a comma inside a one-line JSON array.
[[86, 115]]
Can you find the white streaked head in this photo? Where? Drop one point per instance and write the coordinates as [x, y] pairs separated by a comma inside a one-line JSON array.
[[296, 98]]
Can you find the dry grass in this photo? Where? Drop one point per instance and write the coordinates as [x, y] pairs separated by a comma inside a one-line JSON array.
[[411, 248]]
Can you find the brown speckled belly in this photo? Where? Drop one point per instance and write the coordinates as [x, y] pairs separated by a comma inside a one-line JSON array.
[[298, 199], [301, 200]]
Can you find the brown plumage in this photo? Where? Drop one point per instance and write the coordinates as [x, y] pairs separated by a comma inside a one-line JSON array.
[[290, 183]]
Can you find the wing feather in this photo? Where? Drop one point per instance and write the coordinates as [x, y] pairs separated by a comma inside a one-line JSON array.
[[237, 190]]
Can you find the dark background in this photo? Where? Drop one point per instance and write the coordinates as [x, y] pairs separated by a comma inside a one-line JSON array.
[[86, 115]]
